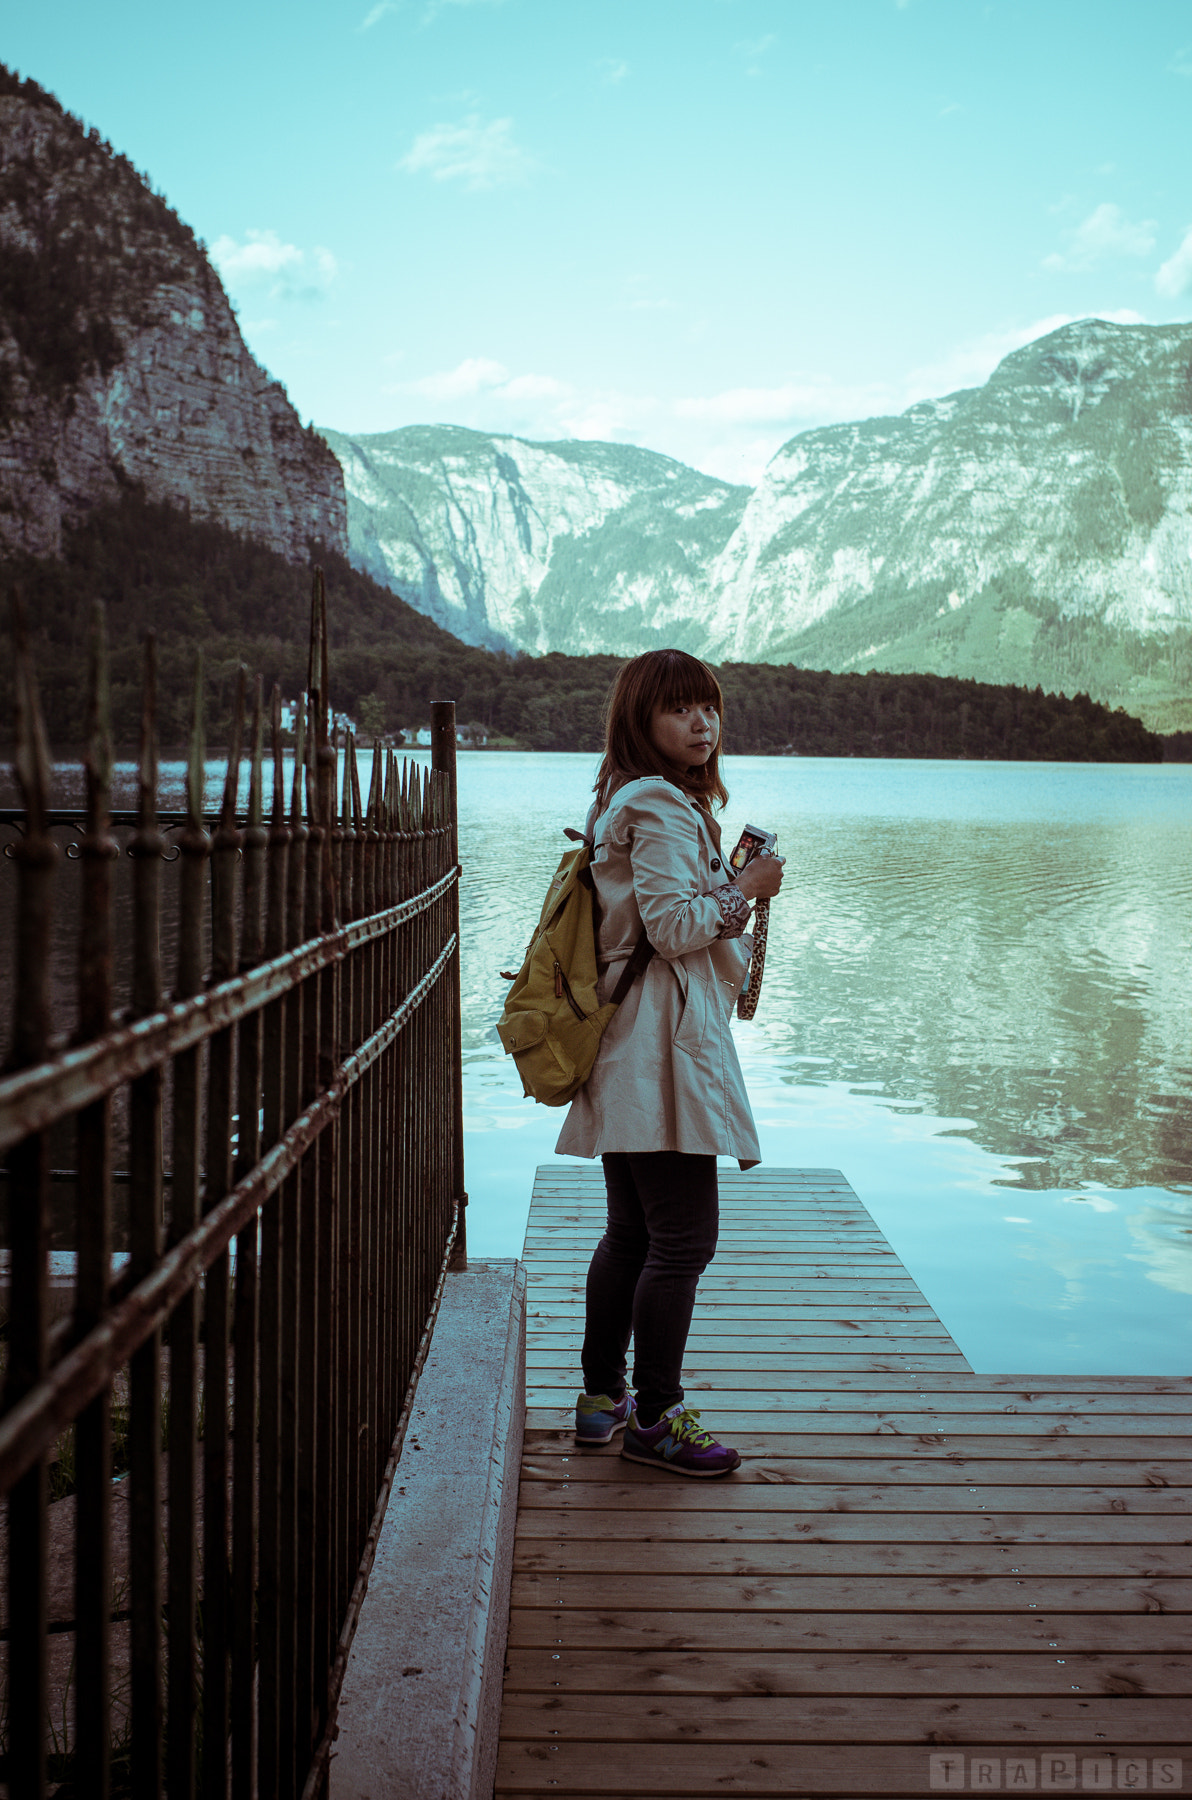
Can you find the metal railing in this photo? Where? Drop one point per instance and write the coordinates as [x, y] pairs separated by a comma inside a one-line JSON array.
[[289, 1119]]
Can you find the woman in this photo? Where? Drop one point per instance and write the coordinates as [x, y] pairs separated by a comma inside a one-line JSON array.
[[665, 1096]]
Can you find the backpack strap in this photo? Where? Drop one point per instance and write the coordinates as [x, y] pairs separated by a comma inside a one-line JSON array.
[[643, 950], [643, 953]]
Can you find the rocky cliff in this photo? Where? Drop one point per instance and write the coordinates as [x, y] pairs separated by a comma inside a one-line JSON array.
[[948, 537], [1034, 530], [121, 361], [577, 547]]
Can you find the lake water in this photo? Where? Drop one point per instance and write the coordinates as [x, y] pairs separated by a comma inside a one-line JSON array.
[[976, 1004]]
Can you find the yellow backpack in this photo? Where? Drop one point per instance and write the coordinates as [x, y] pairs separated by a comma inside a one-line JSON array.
[[552, 1024]]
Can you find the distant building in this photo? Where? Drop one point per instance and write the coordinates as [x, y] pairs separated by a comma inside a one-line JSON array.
[[339, 721]]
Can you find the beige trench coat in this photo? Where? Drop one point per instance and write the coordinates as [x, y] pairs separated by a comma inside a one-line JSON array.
[[666, 1076]]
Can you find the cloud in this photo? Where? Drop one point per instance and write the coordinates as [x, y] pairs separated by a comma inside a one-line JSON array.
[[783, 404], [433, 6], [1174, 277], [264, 263], [752, 48], [733, 433], [1106, 232], [1181, 62], [640, 295], [479, 155], [971, 364], [483, 394], [482, 378], [612, 71]]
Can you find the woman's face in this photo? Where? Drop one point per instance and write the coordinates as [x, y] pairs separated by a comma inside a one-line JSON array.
[[685, 733]]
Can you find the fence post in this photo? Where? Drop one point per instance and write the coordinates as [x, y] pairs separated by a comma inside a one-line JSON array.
[[442, 758]]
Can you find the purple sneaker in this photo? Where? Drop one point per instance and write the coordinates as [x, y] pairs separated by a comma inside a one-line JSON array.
[[680, 1444], [597, 1417]]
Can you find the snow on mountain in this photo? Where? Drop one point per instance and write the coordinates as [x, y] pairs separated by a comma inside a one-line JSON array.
[[1061, 487], [1037, 529]]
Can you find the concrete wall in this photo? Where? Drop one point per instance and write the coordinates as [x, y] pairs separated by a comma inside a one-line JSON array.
[[420, 1710]]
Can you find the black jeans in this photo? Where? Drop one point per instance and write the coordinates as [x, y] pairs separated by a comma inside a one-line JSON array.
[[663, 1218]]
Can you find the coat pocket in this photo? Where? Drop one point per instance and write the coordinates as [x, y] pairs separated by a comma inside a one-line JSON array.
[[693, 1017]]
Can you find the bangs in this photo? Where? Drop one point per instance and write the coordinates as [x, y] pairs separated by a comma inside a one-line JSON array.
[[682, 680]]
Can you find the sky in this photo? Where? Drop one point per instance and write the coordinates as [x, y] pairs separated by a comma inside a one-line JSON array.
[[700, 226]]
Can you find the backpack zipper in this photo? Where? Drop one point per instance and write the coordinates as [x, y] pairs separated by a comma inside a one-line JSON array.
[[563, 991]]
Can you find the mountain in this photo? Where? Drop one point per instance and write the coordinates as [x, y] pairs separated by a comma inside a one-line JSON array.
[[121, 363], [577, 547], [1036, 530]]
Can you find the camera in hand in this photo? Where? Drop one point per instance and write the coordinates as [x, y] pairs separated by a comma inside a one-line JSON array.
[[751, 843]]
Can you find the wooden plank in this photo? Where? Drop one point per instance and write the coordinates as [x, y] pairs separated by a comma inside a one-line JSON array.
[[570, 1556], [914, 1560], [825, 1469], [1024, 1443], [717, 1315], [594, 1528], [810, 1672], [913, 1633], [1016, 1389], [796, 1392], [724, 1497], [648, 1591], [1161, 1427], [1068, 1718]]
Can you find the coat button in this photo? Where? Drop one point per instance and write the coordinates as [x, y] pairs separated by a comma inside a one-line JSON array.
[[715, 862]]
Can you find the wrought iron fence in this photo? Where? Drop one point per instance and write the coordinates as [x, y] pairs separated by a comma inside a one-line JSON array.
[[227, 1404]]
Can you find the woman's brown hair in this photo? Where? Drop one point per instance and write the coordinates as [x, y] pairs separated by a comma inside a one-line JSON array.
[[663, 678]]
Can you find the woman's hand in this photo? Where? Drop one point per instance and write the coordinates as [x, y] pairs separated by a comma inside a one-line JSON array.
[[761, 878]]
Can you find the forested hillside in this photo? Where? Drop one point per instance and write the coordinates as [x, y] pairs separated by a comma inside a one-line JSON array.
[[201, 586]]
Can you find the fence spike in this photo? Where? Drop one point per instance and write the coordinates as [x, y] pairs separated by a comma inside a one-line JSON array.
[[278, 808], [196, 752], [357, 808], [255, 813], [147, 760], [227, 813], [99, 734], [98, 845], [299, 762], [372, 816], [31, 760], [312, 751], [345, 802], [317, 666]]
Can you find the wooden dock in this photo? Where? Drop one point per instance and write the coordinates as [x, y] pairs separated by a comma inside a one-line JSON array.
[[920, 1578]]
